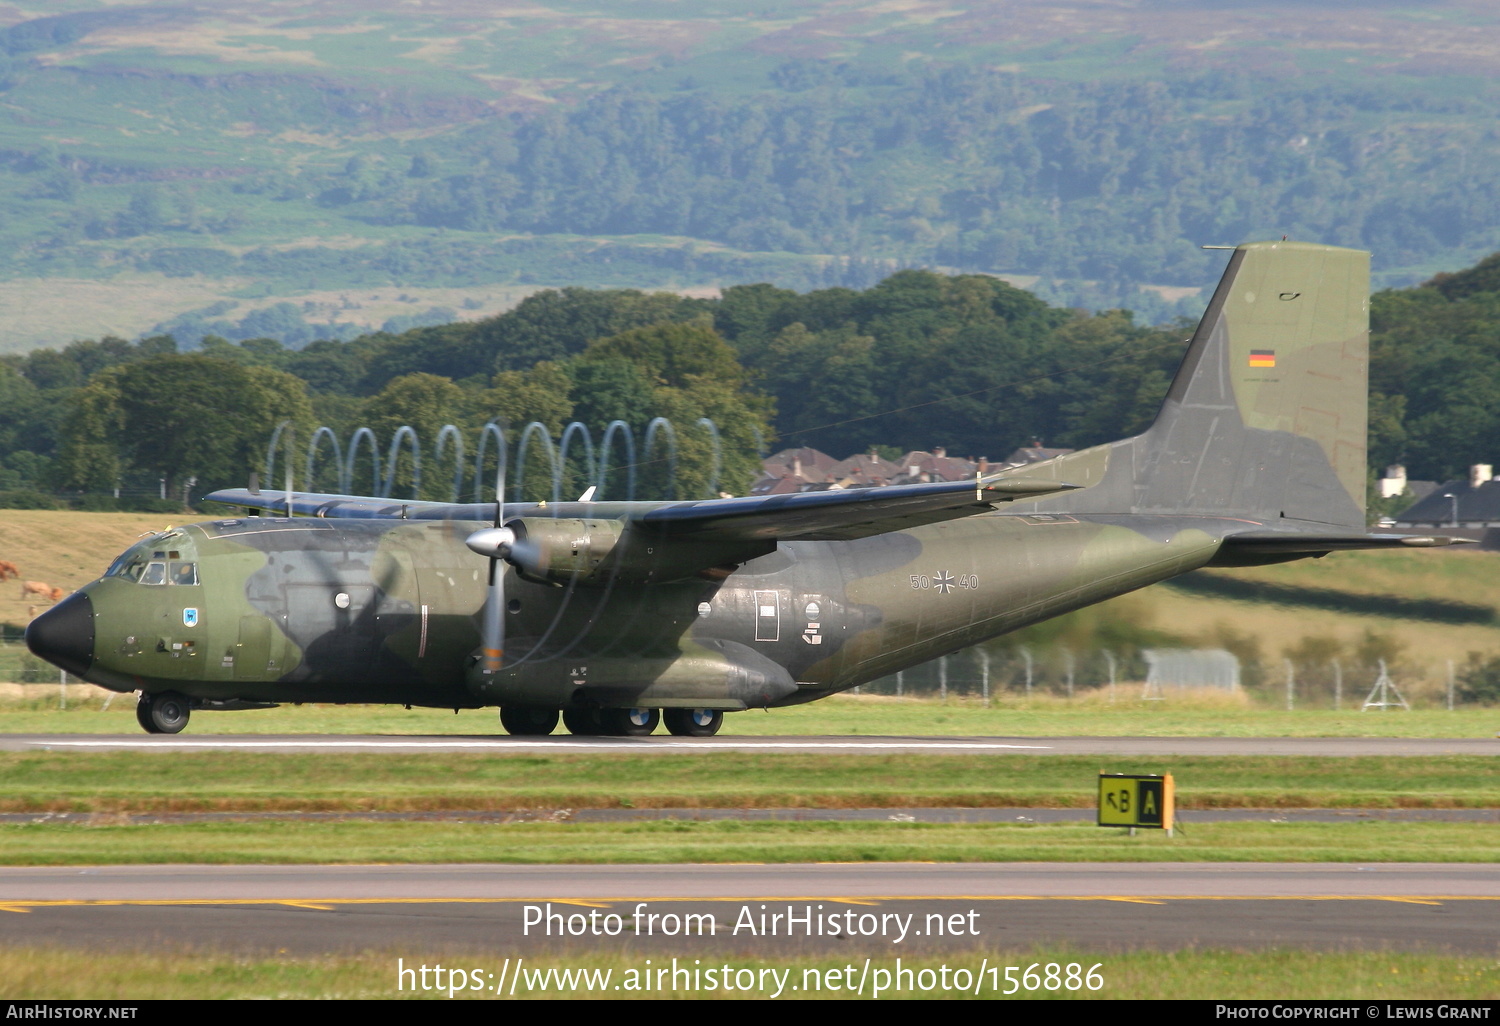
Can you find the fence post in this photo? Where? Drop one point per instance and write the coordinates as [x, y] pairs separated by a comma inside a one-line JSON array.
[[1338, 685], [1291, 683], [1109, 658], [984, 675], [1450, 685], [1026, 654]]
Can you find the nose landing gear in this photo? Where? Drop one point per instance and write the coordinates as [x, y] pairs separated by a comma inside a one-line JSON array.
[[165, 712]]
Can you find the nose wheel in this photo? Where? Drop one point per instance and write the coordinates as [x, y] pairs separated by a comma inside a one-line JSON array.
[[165, 712]]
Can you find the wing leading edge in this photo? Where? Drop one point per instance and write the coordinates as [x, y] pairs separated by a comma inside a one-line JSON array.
[[832, 515]]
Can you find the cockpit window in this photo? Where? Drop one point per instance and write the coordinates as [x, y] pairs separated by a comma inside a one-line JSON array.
[[143, 564], [127, 566]]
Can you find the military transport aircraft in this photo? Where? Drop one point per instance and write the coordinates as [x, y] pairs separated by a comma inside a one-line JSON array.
[[621, 614]]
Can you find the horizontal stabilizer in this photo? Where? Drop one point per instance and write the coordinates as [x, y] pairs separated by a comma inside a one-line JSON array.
[[1257, 548], [1279, 542]]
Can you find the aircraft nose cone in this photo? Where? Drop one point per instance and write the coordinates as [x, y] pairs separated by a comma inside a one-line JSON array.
[[64, 634]]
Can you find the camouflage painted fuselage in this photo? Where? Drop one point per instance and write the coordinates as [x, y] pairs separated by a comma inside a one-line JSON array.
[[388, 611]]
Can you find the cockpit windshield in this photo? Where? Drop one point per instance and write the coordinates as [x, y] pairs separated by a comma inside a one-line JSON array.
[[147, 564]]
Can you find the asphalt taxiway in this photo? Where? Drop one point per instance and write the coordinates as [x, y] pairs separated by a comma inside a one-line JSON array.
[[426, 909]]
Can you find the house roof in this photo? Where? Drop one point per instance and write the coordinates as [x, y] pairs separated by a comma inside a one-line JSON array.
[[1476, 505], [1033, 454]]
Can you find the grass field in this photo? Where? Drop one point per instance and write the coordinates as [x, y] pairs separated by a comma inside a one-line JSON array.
[[130, 782], [108, 842], [543, 790], [1280, 974]]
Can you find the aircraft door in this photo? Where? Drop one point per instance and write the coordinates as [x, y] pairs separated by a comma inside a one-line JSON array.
[[768, 616], [260, 653]]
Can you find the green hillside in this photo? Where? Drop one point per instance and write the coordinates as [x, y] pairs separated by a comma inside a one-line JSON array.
[[212, 158]]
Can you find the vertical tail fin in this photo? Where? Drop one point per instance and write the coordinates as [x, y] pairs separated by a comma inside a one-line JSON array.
[[1266, 418]]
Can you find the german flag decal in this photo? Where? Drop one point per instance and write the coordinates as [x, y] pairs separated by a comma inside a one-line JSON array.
[[1262, 357]]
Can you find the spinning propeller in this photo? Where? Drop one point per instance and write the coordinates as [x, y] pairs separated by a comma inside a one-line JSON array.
[[498, 543]]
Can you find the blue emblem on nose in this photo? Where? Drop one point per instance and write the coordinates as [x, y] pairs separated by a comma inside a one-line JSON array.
[[190, 617]]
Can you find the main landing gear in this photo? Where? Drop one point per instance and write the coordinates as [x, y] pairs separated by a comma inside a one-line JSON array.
[[693, 722], [165, 712], [612, 722]]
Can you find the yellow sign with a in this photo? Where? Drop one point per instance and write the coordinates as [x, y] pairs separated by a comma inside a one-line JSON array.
[[1136, 800]]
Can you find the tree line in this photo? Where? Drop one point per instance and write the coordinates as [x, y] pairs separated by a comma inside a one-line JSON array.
[[918, 360]]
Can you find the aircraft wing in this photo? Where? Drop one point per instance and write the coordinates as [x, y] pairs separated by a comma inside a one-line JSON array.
[[843, 514], [839, 514], [345, 507]]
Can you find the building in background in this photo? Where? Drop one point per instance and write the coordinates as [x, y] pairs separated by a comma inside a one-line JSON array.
[[809, 470]]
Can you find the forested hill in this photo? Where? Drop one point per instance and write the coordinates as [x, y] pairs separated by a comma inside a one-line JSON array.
[[276, 164], [918, 360]]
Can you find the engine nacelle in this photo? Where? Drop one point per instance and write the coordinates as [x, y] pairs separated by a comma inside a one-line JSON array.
[[619, 552], [568, 550]]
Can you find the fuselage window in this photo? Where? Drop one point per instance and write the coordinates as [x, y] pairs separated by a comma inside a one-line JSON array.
[[156, 573], [183, 573]]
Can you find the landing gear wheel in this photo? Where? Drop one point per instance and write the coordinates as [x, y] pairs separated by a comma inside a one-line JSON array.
[[583, 722], [693, 722], [528, 722], [163, 713], [629, 722], [143, 713]]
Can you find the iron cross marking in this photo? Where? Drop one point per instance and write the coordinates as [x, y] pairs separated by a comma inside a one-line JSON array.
[[943, 582]]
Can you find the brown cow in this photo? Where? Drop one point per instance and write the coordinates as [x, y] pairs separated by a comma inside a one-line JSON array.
[[58, 593], [37, 588], [8, 570]]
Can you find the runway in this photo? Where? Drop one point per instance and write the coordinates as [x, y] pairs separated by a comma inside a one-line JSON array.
[[668, 745], [427, 909]]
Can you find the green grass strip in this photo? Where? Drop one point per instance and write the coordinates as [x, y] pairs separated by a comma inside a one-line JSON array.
[[362, 841], [171, 781], [33, 973]]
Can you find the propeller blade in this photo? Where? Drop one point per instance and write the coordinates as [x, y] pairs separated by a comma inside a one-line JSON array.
[[492, 636], [497, 541]]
